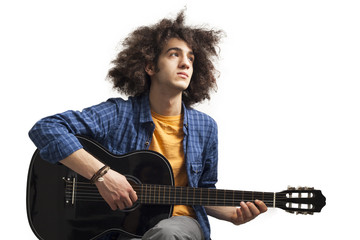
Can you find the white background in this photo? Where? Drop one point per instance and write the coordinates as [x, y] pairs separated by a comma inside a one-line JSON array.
[[287, 104]]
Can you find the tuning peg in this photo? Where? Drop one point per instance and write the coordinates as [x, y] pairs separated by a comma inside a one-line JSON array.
[[305, 188], [290, 188], [292, 212]]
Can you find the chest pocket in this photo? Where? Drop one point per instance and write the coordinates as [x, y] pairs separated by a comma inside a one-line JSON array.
[[196, 171]]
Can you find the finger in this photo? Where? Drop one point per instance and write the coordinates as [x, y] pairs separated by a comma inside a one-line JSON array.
[[127, 202], [261, 206], [133, 196], [112, 205], [245, 209], [253, 209], [121, 205], [240, 217]]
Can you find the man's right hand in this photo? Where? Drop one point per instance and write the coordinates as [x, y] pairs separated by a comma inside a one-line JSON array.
[[116, 190]]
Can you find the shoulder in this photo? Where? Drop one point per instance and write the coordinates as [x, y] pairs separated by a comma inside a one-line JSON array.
[[123, 104], [201, 120]]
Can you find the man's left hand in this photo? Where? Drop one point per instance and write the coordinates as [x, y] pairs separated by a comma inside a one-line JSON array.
[[248, 211]]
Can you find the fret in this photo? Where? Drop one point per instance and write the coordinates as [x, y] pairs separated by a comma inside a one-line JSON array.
[[181, 195], [159, 198], [237, 197], [169, 196], [258, 195], [142, 194], [208, 196], [233, 198], [228, 198], [196, 198], [216, 202], [219, 197], [145, 194], [164, 195], [154, 195], [175, 194], [151, 193]]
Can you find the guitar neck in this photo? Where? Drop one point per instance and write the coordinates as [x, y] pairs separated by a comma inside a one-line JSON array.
[[163, 194]]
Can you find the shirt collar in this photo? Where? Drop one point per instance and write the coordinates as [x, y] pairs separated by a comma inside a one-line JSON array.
[[145, 112], [186, 119]]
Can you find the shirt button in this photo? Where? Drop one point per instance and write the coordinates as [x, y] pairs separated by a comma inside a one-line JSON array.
[[147, 143]]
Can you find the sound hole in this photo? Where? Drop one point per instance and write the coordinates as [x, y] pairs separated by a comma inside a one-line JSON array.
[[133, 182]]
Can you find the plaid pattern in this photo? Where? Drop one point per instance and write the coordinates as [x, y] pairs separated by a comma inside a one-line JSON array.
[[122, 126]]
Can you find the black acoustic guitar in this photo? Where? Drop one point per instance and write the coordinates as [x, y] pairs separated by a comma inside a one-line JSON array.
[[63, 205]]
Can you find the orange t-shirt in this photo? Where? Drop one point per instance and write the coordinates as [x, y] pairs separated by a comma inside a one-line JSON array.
[[168, 140]]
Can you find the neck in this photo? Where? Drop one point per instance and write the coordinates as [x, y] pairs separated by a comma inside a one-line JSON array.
[[165, 103]]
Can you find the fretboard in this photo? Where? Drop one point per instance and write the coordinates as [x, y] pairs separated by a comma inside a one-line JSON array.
[[164, 194]]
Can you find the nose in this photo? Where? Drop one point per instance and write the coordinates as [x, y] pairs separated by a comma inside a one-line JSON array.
[[184, 62]]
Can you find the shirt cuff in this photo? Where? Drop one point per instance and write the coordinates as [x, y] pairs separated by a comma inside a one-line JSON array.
[[60, 148]]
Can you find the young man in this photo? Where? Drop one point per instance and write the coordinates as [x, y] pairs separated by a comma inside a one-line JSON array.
[[164, 68]]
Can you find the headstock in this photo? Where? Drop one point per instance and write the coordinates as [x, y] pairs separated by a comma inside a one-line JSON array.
[[301, 200]]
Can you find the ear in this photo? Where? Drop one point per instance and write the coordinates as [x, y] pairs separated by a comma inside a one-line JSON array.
[[150, 69]]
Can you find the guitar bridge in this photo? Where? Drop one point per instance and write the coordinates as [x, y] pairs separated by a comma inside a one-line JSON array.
[[69, 190]]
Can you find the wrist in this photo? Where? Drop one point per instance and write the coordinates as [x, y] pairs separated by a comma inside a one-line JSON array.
[[98, 176]]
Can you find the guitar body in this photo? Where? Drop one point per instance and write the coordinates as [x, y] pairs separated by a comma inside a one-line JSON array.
[[57, 212]]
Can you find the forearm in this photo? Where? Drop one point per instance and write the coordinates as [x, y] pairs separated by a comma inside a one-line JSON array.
[[222, 213], [83, 163], [237, 216]]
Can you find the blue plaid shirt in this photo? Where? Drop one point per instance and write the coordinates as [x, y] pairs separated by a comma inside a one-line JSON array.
[[122, 126]]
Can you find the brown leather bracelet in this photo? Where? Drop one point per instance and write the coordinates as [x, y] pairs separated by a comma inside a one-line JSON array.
[[99, 174]]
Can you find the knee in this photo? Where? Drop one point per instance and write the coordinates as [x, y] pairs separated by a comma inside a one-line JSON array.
[[175, 228], [165, 232], [170, 232]]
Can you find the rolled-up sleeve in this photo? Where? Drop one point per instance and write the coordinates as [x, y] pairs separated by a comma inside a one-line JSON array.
[[55, 136]]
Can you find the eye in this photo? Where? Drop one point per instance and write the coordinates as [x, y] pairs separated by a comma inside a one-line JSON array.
[[174, 54]]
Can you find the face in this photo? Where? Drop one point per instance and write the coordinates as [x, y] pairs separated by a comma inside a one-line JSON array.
[[175, 67]]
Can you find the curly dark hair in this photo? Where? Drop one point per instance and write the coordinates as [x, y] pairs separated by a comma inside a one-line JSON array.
[[144, 45]]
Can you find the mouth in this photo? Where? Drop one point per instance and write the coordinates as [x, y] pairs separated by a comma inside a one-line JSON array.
[[183, 74]]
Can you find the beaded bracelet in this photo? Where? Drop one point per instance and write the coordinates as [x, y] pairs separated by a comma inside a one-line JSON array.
[[99, 174]]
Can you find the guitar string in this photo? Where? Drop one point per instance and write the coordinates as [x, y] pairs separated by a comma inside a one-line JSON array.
[[89, 191], [174, 198], [171, 200], [220, 194], [179, 190]]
